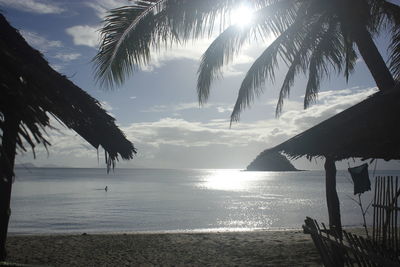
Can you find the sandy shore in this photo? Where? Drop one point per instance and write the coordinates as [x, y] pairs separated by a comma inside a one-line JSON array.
[[266, 248]]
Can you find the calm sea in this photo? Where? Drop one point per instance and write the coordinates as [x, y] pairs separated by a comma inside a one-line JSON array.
[[74, 200]]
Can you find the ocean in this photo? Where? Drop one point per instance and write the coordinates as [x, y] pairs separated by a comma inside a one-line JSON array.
[[56, 200]]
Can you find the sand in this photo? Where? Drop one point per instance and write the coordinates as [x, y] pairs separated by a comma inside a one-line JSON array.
[[257, 248]]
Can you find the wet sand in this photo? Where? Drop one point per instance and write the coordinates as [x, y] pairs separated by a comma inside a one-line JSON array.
[[257, 248]]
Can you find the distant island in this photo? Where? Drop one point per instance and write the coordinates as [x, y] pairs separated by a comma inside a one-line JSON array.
[[271, 161]]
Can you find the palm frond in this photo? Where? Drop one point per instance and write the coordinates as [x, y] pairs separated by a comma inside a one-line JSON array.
[[121, 52], [329, 50], [394, 63], [219, 53], [264, 68], [350, 57], [392, 11], [385, 12], [229, 43], [131, 32], [301, 59]]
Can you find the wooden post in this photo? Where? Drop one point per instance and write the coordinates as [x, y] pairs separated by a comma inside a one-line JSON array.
[[7, 156], [331, 195], [332, 201]]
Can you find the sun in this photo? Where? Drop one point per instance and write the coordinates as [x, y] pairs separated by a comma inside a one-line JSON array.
[[242, 16]]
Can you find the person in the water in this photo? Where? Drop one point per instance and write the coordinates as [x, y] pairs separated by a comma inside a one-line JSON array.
[[106, 189]]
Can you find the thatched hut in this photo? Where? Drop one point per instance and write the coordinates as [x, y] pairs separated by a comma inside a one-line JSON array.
[[368, 130], [30, 93]]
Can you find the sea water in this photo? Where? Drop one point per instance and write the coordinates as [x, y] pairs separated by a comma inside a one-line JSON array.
[[56, 200]]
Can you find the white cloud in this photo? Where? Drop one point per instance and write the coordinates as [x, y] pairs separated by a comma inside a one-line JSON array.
[[179, 143], [33, 6], [39, 42], [220, 107], [57, 67], [90, 35], [193, 50], [85, 35], [207, 144], [54, 50], [106, 106], [67, 57], [174, 107], [132, 97], [190, 50], [224, 109], [102, 6]]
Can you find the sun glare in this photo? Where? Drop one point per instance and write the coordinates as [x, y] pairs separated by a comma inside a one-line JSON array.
[[230, 180], [241, 16]]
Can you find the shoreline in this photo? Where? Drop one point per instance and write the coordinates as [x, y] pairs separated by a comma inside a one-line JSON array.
[[150, 232], [260, 247], [351, 228]]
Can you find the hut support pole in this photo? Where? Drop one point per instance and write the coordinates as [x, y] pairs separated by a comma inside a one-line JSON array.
[[332, 200], [7, 156], [331, 195]]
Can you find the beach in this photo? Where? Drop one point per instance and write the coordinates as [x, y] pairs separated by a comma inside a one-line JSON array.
[[169, 217], [253, 248]]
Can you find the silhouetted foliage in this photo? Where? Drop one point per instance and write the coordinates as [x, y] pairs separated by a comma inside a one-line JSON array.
[[314, 37], [367, 130], [34, 92], [30, 93]]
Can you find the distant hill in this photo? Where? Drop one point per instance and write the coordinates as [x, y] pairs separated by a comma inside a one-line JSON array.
[[271, 161]]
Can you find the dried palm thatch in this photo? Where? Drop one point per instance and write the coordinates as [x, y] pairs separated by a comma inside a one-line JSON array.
[[33, 92], [370, 129]]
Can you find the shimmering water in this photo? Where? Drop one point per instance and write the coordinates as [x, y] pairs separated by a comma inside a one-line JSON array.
[[74, 200]]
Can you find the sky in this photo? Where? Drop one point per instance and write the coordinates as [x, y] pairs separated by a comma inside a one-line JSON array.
[[157, 107]]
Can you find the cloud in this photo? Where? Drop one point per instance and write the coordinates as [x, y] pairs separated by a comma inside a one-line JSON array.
[[102, 6], [193, 50], [132, 97], [224, 109], [57, 67], [85, 35], [89, 35], [173, 107], [54, 50], [179, 143], [33, 6], [67, 57], [220, 107], [106, 106], [180, 137], [39, 42]]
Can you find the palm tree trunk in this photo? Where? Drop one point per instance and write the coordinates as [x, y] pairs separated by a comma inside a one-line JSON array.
[[7, 156], [375, 63], [354, 14]]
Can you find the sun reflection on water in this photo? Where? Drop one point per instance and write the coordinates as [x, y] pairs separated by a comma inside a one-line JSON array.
[[230, 180]]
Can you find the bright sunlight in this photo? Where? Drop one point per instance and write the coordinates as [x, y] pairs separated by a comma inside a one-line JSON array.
[[242, 16]]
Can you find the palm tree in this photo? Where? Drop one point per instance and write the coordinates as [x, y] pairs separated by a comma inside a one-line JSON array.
[[312, 36]]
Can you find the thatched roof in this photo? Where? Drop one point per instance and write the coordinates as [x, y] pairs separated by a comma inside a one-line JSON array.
[[370, 129], [32, 90]]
